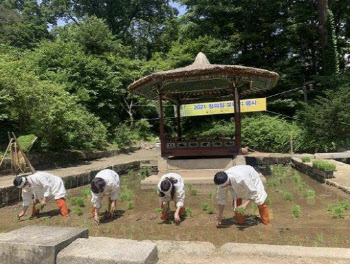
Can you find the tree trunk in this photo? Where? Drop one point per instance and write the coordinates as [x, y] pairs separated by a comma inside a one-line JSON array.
[[322, 7]]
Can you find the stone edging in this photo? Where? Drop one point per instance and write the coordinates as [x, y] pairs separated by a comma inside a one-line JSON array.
[[313, 172]]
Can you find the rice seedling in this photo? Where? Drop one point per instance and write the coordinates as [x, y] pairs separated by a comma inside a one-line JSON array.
[[158, 210], [204, 206], [188, 212], [210, 210], [310, 193], [267, 201], [336, 239], [260, 235], [296, 177], [330, 208], [241, 210], [130, 205], [320, 238], [193, 192], [189, 186], [271, 182], [126, 195], [211, 196], [288, 196], [345, 204], [296, 211], [338, 212], [86, 192], [78, 210], [79, 201], [301, 185]]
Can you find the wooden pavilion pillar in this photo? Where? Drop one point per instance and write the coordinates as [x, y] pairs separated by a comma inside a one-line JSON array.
[[161, 123], [178, 120], [237, 108]]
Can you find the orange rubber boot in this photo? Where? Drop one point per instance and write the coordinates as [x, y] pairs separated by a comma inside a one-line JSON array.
[[264, 213], [61, 203]]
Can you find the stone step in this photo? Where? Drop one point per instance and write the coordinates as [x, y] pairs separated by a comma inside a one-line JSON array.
[[37, 244], [105, 250]]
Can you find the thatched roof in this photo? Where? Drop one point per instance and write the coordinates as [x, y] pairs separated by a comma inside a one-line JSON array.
[[202, 81]]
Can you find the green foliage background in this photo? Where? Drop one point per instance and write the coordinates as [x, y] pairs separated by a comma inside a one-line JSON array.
[[68, 84]]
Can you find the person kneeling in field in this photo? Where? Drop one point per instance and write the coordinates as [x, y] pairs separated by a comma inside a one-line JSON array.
[[42, 186], [243, 182], [171, 188], [106, 182]]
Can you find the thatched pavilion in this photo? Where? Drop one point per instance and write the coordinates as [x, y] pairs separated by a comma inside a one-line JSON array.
[[197, 83]]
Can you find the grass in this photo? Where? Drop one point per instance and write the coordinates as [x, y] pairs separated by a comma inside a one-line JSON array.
[[79, 201], [306, 159], [288, 196], [323, 165], [310, 193], [296, 211]]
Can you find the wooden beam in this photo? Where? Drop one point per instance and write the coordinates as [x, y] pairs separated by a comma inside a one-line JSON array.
[[237, 107], [161, 123], [178, 119]]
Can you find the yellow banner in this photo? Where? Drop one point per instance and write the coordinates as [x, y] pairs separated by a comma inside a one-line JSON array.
[[225, 107]]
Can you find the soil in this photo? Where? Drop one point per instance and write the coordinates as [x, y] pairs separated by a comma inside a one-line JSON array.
[[315, 226]]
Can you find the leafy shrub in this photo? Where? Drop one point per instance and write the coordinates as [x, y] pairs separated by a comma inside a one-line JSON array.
[[193, 192], [79, 201], [143, 129], [204, 206], [288, 196], [296, 211], [306, 159], [323, 165], [124, 136], [78, 210], [310, 193]]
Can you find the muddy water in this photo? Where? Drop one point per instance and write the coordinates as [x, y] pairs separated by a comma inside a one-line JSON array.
[[314, 227]]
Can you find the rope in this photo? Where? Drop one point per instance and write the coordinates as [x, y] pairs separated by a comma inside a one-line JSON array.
[[298, 88]]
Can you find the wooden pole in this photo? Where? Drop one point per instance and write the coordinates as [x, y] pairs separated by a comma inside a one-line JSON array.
[[24, 155], [237, 108], [178, 119], [161, 123], [7, 149]]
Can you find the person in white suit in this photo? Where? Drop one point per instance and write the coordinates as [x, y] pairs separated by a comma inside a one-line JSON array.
[[106, 182], [171, 187], [42, 186], [243, 182]]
